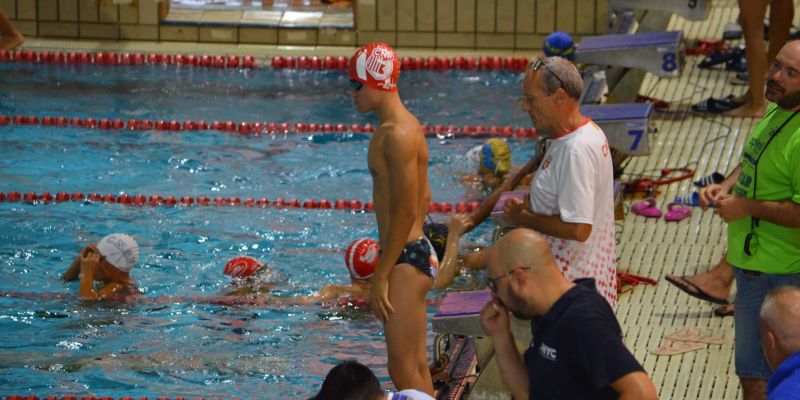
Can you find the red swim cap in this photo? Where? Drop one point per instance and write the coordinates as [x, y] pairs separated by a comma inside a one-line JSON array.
[[377, 66], [361, 258], [242, 267]]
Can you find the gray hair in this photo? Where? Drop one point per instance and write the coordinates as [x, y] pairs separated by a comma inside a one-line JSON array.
[[781, 313], [558, 72]]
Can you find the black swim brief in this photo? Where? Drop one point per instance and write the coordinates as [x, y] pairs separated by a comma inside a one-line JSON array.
[[420, 254]]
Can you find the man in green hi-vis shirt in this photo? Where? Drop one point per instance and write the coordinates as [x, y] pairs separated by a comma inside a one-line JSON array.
[[760, 200]]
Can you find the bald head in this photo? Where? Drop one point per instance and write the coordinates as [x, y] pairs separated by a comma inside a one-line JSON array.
[[780, 314], [522, 248]]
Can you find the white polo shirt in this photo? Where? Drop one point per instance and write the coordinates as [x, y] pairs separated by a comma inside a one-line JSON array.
[[575, 181]]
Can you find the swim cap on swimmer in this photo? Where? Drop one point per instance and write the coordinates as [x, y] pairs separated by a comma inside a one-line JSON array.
[[361, 258], [242, 267], [559, 44], [377, 66], [120, 250], [496, 156]]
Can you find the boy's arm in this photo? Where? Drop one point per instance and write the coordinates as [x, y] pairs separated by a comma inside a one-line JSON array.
[[450, 264], [88, 264], [486, 206], [73, 271]]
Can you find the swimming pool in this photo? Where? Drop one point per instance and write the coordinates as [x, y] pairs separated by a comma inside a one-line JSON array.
[[175, 344]]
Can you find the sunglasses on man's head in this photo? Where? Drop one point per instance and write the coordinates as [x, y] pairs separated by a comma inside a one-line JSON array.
[[356, 85], [539, 63]]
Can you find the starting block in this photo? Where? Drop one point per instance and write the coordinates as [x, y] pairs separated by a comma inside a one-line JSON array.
[[625, 125], [693, 10], [459, 313], [659, 53]]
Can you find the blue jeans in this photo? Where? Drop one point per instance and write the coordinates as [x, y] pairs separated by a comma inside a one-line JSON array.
[[751, 289]]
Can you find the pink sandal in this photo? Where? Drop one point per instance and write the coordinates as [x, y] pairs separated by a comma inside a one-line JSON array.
[[677, 212], [646, 208]]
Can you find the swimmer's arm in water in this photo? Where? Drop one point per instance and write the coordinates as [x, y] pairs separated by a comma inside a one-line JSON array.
[[451, 262], [326, 293], [486, 206], [73, 271]]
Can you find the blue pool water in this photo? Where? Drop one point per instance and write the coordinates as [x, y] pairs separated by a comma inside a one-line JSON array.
[[177, 345]]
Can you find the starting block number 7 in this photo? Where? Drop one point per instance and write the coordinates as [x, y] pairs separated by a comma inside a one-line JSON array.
[[637, 137]]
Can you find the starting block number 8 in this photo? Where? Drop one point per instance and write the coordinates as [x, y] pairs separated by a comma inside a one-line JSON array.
[[669, 63]]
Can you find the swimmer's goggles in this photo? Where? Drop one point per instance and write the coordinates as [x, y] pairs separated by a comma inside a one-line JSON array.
[[488, 155], [356, 85]]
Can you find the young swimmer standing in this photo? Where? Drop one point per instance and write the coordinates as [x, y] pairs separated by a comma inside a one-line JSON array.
[[108, 262], [398, 162]]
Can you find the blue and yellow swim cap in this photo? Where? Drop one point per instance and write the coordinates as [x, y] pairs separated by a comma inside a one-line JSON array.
[[496, 156]]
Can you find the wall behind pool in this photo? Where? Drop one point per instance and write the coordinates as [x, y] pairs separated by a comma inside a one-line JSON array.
[[467, 24]]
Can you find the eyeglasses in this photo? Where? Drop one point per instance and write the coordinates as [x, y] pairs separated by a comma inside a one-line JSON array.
[[356, 85], [539, 63], [492, 282]]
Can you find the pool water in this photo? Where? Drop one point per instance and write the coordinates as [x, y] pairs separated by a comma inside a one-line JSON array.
[[176, 343]]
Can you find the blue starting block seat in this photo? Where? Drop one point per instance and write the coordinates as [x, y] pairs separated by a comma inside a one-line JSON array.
[[694, 10], [625, 125], [659, 53]]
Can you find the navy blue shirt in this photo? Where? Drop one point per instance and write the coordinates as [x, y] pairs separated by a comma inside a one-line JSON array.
[[577, 349]]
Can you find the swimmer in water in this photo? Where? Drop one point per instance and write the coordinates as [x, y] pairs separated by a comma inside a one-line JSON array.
[[492, 160], [108, 262], [250, 276]]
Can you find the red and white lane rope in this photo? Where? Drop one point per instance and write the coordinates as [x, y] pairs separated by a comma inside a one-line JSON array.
[[254, 128], [330, 63], [189, 201]]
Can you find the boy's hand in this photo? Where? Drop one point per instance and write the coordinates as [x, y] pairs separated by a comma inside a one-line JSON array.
[[90, 259]]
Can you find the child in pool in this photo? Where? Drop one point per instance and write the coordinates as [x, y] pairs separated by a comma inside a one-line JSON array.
[[108, 262]]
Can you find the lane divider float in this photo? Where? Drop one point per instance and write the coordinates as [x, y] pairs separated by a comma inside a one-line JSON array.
[[189, 201], [254, 128], [329, 63]]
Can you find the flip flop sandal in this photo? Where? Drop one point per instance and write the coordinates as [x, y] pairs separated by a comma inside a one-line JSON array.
[[725, 311], [690, 288], [646, 208], [696, 335], [671, 348], [714, 106], [677, 212]]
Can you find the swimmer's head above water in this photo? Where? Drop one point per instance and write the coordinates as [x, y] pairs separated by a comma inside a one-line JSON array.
[[118, 251], [361, 258], [244, 267], [374, 71]]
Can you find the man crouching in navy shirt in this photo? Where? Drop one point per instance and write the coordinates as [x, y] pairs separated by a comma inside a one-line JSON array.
[[577, 350]]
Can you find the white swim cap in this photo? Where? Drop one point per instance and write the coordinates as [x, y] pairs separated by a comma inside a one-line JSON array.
[[120, 250]]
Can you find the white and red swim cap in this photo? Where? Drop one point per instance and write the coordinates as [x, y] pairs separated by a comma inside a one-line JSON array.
[[242, 267], [377, 66], [361, 258]]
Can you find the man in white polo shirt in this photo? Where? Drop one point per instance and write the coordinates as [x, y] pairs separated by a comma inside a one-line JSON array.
[[571, 201]]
